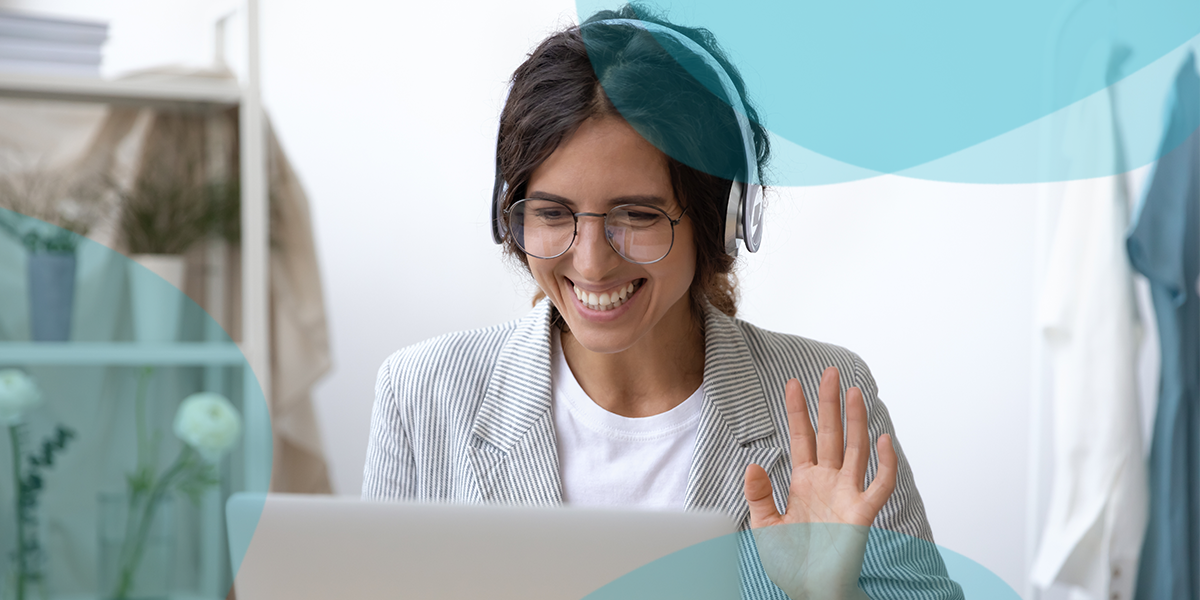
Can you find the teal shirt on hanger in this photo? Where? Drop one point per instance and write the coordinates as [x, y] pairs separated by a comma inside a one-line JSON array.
[[1164, 245]]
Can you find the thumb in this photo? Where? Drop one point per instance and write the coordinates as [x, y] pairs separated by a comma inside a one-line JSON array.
[[759, 497]]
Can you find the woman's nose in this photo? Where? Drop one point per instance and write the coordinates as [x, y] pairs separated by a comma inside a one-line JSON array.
[[592, 255]]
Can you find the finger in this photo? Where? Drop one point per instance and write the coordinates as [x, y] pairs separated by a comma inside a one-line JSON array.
[[884, 484], [800, 430], [759, 497], [858, 446], [829, 420]]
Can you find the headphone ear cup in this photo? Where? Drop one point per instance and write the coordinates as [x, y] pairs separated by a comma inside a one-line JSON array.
[[751, 217], [732, 227], [499, 227]]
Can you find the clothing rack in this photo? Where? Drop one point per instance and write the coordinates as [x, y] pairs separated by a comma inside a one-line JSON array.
[[1039, 462]]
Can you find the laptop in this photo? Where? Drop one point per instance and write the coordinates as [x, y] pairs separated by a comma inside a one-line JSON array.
[[306, 547]]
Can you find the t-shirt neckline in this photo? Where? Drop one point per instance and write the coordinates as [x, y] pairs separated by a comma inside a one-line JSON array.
[[596, 418]]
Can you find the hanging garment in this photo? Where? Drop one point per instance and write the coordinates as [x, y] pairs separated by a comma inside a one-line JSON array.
[[1088, 318], [1164, 244]]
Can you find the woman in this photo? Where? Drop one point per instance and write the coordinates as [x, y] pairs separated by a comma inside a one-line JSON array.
[[630, 383]]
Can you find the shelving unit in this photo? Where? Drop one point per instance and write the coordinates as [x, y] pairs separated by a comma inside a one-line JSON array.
[[200, 93], [116, 354], [253, 351], [190, 94]]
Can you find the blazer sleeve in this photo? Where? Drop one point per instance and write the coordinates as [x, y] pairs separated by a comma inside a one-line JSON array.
[[390, 471], [901, 560]]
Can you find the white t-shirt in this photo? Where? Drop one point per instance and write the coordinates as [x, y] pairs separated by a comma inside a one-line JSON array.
[[609, 460]]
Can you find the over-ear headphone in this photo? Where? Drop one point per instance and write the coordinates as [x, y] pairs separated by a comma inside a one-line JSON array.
[[743, 208]]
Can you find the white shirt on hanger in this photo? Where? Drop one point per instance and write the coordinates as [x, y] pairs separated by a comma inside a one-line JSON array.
[[1088, 316]]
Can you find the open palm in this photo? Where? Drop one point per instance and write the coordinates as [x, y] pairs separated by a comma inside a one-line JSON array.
[[818, 551]]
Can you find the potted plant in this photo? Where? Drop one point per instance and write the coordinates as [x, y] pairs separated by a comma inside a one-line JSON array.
[[48, 213], [164, 213]]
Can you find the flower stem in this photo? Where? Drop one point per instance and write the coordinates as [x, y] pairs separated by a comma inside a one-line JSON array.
[[139, 408], [22, 569], [132, 555], [131, 526]]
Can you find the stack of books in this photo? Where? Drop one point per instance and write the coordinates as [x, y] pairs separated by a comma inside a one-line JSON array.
[[50, 45]]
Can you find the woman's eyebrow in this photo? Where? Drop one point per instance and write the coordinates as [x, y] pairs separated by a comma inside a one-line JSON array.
[[549, 196], [650, 199]]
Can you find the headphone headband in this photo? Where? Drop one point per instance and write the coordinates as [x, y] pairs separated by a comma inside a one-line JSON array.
[[743, 208]]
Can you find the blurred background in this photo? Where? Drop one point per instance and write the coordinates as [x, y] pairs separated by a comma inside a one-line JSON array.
[[387, 115]]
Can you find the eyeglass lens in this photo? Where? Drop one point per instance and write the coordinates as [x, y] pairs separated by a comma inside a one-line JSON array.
[[546, 229]]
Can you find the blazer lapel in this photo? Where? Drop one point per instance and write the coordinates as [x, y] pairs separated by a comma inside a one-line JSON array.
[[736, 428], [513, 454]]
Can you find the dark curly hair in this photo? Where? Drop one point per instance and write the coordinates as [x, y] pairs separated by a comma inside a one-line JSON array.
[[670, 96]]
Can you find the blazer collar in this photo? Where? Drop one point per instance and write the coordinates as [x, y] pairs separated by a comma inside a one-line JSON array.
[[518, 393], [732, 381], [516, 456], [513, 452], [736, 427]]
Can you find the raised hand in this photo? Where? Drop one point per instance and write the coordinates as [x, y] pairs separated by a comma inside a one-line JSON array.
[[815, 549]]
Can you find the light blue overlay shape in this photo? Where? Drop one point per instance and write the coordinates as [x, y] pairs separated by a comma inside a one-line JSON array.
[[945, 90], [697, 573], [102, 315]]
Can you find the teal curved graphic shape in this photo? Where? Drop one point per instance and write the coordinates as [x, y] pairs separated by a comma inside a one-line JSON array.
[[729, 567], [942, 90], [704, 571], [152, 414]]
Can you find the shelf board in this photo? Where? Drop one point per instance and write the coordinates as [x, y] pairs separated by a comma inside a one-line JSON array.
[[120, 354], [170, 596], [170, 91]]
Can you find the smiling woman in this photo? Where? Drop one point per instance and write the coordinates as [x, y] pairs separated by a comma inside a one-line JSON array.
[[672, 100], [583, 167], [624, 180]]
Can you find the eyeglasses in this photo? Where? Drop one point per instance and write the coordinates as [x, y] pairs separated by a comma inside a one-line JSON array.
[[640, 233]]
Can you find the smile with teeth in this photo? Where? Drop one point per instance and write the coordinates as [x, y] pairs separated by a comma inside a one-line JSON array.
[[608, 300]]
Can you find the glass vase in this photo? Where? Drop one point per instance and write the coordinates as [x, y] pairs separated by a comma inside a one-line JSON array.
[[137, 547], [51, 295]]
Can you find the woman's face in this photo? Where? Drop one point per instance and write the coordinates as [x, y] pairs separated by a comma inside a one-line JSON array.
[[606, 163]]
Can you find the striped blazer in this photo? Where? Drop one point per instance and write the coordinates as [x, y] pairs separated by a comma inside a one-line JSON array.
[[465, 417]]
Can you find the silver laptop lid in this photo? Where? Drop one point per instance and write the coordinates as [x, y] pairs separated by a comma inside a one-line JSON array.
[[310, 547]]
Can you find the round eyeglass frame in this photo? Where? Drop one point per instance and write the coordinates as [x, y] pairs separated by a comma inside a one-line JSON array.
[[575, 232]]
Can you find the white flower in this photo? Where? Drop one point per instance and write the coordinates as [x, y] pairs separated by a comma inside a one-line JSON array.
[[209, 423], [18, 395]]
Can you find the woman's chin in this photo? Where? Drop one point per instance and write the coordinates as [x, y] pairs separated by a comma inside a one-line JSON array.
[[603, 341], [605, 335]]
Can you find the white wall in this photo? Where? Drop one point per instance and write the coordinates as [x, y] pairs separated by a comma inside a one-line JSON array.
[[388, 112], [931, 284]]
